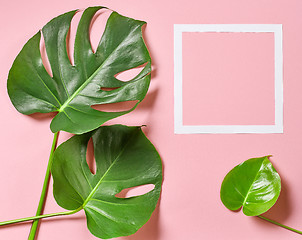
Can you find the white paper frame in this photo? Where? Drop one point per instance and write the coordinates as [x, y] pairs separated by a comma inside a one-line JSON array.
[[179, 127]]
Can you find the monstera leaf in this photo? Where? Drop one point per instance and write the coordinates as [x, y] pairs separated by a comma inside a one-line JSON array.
[[253, 185], [124, 158], [73, 89]]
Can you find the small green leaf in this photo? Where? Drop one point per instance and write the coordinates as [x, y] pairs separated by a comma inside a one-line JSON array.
[[72, 90], [124, 158], [253, 185]]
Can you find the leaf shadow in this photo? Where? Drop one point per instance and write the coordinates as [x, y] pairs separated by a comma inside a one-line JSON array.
[[149, 46], [283, 207], [16, 225], [90, 157], [148, 101], [42, 117], [151, 230]]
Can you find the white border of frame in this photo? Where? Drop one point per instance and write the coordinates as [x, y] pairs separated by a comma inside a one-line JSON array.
[[179, 128]]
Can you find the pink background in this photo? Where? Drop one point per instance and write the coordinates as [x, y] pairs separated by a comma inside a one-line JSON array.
[[228, 79], [194, 165]]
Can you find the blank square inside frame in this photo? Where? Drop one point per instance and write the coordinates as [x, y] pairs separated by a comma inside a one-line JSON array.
[[270, 124], [228, 78]]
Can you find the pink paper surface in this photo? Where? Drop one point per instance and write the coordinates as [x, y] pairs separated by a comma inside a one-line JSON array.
[[228, 78], [194, 165]]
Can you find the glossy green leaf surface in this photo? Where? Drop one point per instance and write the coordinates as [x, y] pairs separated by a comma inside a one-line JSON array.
[[73, 89], [253, 185], [124, 158]]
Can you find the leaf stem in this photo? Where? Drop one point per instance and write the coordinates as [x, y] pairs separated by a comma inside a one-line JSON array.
[[35, 223], [280, 225], [35, 218]]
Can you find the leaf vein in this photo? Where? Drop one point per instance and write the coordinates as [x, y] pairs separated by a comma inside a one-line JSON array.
[[29, 58], [108, 170], [248, 192], [86, 176], [110, 203], [103, 214]]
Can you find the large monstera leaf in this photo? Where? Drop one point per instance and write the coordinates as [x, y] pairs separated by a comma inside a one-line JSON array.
[[124, 158], [73, 89]]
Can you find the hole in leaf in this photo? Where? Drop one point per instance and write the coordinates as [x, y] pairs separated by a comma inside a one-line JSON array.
[[70, 38], [44, 57], [96, 30], [90, 156], [115, 107], [135, 191], [43, 116], [129, 74], [97, 27], [97, 24], [108, 89]]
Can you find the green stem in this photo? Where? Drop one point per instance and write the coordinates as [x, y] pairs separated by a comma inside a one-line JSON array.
[[35, 223], [35, 218], [280, 225]]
